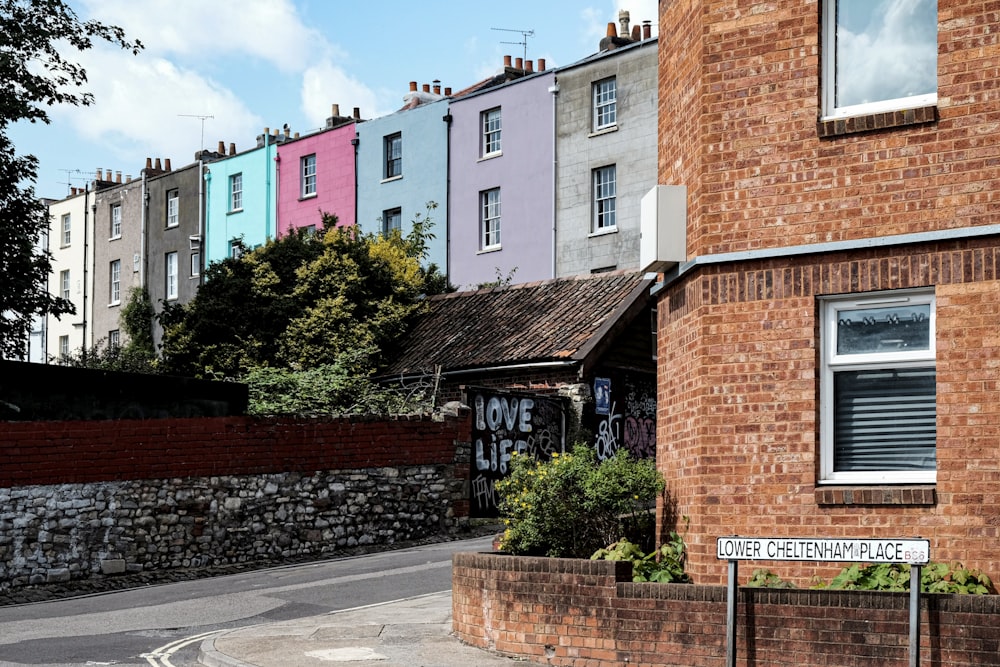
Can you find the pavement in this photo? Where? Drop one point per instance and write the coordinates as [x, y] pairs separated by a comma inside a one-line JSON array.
[[414, 632]]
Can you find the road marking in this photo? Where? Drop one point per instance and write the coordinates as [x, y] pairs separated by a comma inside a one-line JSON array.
[[161, 657]]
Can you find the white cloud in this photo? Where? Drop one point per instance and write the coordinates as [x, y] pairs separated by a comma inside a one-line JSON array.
[[326, 84]]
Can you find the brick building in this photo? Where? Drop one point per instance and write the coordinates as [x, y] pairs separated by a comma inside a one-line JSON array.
[[828, 355]]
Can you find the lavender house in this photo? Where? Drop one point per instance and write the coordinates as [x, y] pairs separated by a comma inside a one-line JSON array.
[[501, 195]]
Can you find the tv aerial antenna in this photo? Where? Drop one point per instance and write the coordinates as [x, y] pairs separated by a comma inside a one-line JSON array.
[[525, 34], [203, 118], [69, 177]]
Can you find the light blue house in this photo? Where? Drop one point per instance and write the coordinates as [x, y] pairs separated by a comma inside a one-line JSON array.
[[240, 200], [402, 164]]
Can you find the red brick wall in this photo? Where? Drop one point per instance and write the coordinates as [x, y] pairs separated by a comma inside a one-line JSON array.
[[738, 363], [580, 613], [94, 451]]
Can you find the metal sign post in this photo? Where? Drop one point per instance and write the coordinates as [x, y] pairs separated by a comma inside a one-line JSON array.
[[914, 552]]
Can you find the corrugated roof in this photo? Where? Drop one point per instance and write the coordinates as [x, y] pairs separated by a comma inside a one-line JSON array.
[[553, 320]]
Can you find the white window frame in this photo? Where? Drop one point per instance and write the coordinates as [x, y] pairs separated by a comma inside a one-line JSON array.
[[831, 310], [195, 264], [829, 88], [605, 98], [173, 209], [489, 219], [116, 221], [64, 346], [236, 248], [236, 192], [114, 339], [393, 153], [64, 284], [307, 176], [388, 216], [170, 262], [492, 125], [67, 229], [605, 213], [115, 283]]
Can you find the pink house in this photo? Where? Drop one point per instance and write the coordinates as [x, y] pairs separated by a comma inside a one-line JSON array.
[[316, 174]]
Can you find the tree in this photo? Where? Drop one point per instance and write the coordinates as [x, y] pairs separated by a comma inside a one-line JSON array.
[[34, 75]]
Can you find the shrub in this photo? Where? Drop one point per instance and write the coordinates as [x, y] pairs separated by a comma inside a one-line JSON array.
[[664, 565], [572, 505], [934, 578]]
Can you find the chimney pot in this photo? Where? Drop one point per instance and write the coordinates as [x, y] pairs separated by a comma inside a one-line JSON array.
[[541, 64], [149, 163], [611, 30], [166, 164], [647, 29], [636, 33], [357, 113], [529, 66], [128, 178], [426, 87], [437, 87], [296, 135], [413, 86], [506, 61], [518, 63], [288, 132], [222, 148], [334, 110], [447, 92], [156, 165], [118, 177], [232, 148], [623, 20]]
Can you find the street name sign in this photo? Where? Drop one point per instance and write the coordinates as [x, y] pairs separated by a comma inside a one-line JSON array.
[[901, 550]]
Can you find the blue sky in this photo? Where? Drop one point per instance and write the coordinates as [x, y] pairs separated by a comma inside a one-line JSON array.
[[252, 64]]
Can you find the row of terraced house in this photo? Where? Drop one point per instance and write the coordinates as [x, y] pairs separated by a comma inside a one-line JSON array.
[[535, 173]]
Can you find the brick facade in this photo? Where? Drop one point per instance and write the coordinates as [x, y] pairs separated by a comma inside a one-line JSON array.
[[784, 208]]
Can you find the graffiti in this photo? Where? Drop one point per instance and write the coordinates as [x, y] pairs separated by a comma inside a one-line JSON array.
[[505, 423], [630, 422]]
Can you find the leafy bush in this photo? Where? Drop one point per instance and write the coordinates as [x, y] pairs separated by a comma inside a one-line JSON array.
[[572, 505], [664, 565], [934, 578], [766, 579]]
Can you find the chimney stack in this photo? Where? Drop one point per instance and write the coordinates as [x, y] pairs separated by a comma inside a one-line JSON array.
[[623, 20]]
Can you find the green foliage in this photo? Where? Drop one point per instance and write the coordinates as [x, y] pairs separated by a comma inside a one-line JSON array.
[[664, 565], [501, 280], [934, 578], [36, 36], [302, 302], [762, 578], [124, 359], [572, 505]]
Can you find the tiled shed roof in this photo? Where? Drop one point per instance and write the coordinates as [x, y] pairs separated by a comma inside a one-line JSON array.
[[564, 319]]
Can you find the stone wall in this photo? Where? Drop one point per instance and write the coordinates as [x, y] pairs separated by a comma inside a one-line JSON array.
[[583, 613], [82, 499]]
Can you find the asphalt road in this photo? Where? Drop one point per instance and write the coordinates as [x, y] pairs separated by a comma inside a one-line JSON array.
[[162, 626]]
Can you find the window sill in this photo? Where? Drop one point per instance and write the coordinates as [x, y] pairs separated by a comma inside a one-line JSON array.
[[490, 156], [604, 130], [906, 494], [835, 127], [169, 226], [233, 211], [309, 196], [113, 304], [492, 248], [115, 238], [391, 179], [603, 232]]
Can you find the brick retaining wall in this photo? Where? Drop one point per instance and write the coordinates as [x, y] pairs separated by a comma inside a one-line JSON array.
[[581, 613]]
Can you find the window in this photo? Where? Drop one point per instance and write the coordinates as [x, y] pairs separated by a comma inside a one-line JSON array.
[[393, 155], [490, 219], [605, 104], [308, 176], [878, 389], [66, 228], [116, 221], [115, 291], [114, 339], [173, 209], [171, 262], [64, 284], [236, 192], [491, 132], [236, 248], [391, 219], [878, 55], [195, 264], [63, 346], [605, 188]]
